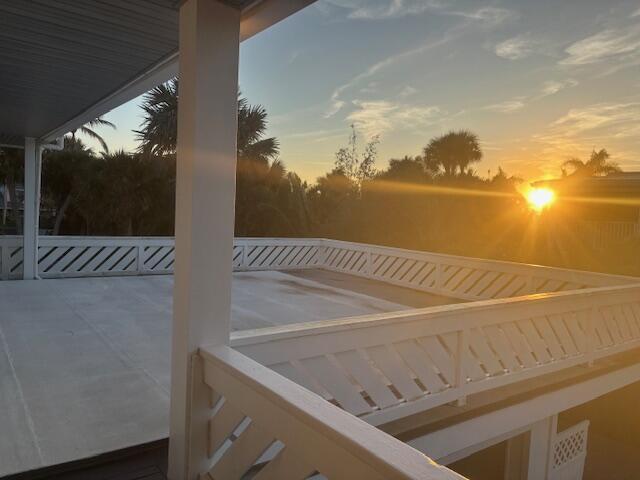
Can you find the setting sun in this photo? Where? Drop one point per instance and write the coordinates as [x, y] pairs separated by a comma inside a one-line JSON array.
[[540, 198]]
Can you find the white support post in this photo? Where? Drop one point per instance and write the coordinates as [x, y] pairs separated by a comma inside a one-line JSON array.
[[32, 167], [205, 198], [140, 259], [516, 457], [591, 334], [245, 257], [540, 439]]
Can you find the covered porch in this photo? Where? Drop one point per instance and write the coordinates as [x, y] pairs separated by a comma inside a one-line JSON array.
[[85, 362], [321, 399]]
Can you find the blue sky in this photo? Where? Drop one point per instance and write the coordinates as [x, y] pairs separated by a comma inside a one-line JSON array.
[[538, 81]]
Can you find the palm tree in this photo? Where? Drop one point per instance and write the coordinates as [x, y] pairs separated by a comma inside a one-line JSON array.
[[88, 130], [160, 126], [252, 125], [597, 165], [158, 135], [452, 152]]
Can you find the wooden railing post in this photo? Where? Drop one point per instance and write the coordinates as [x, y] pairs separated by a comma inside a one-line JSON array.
[[324, 253], [4, 262], [591, 334], [244, 263], [140, 259], [462, 345]]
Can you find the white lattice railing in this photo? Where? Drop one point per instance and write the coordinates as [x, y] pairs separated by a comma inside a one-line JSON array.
[[386, 366], [568, 453], [602, 234], [10, 257], [458, 277], [100, 256], [265, 427]]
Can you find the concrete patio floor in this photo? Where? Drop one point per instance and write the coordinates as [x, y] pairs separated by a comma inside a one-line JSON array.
[[84, 363]]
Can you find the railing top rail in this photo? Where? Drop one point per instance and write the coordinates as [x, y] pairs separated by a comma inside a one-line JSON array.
[[378, 453], [449, 318]]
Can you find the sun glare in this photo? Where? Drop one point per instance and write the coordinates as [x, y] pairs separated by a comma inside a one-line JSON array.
[[540, 198]]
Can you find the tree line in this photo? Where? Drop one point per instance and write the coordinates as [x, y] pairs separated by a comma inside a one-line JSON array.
[[434, 200]]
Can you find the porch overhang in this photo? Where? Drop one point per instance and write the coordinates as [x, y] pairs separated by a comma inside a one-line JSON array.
[[64, 65]]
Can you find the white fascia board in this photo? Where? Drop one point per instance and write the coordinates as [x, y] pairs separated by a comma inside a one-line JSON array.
[[480, 430]]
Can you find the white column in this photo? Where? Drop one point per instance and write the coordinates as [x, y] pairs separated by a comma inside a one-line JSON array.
[[540, 438], [205, 196], [516, 460], [32, 167]]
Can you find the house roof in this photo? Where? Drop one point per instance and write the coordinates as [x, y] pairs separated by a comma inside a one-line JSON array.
[[63, 63], [614, 184]]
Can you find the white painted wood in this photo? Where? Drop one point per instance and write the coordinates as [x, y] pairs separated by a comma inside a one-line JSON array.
[[507, 341], [420, 364], [516, 455], [222, 425], [458, 277], [568, 453], [242, 453], [540, 440], [205, 196], [393, 368], [464, 435], [324, 437], [286, 465], [463, 277], [31, 226], [343, 391], [372, 383]]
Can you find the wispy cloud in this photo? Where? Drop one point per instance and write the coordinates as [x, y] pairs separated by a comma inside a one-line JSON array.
[[336, 102], [407, 91], [514, 48], [293, 56], [386, 9], [382, 9], [382, 116], [551, 87], [483, 17], [488, 15], [602, 125], [611, 119], [612, 44], [508, 106]]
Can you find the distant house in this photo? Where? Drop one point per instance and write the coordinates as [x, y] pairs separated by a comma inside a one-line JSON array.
[[607, 207]]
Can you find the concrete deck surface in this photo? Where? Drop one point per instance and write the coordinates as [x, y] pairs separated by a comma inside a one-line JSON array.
[[84, 363]]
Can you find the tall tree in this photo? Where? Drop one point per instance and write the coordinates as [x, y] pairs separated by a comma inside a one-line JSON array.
[[63, 175], [160, 126], [355, 165], [158, 135], [407, 169], [452, 153], [88, 129], [12, 175], [597, 165]]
